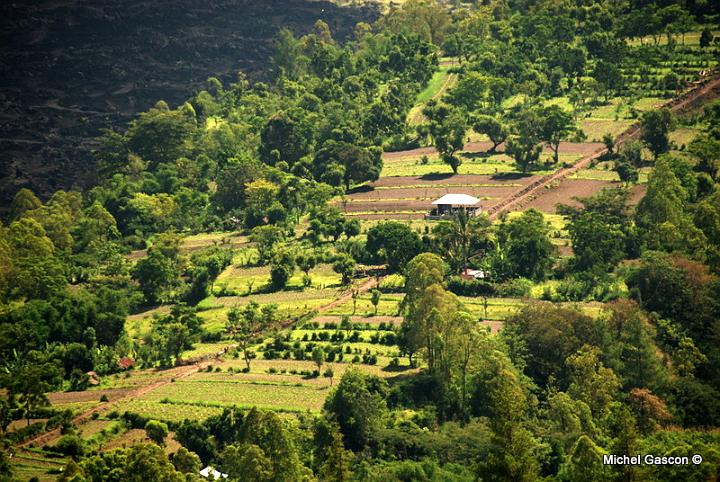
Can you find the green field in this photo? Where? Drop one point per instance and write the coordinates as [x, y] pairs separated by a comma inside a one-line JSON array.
[[239, 279], [497, 163]]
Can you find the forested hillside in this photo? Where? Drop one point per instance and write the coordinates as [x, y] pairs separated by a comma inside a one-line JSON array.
[[260, 283], [70, 69]]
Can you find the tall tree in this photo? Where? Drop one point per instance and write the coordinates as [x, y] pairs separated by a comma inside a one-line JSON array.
[[447, 127], [655, 129], [525, 240], [557, 126], [246, 324]]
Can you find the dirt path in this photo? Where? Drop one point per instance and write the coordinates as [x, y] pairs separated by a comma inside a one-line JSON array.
[[183, 372], [347, 295], [52, 435], [709, 89], [415, 116]]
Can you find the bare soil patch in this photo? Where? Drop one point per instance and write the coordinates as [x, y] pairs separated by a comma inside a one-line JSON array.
[[112, 394], [373, 320], [565, 192]]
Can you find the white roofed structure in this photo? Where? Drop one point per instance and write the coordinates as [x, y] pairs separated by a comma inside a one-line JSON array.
[[457, 200], [210, 473], [449, 205]]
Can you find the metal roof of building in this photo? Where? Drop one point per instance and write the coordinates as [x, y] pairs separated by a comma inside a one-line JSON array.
[[457, 200]]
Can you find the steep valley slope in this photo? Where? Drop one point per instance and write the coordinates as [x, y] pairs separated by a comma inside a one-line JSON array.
[[70, 68]]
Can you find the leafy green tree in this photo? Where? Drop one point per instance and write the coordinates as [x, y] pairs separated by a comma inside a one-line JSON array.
[[31, 262], [359, 164], [28, 378], [590, 381], [462, 238], [329, 222], [557, 125], [655, 128], [268, 432], [447, 127], [246, 462], [627, 172], [706, 38], [261, 201], [585, 462], [512, 454], [542, 336], [232, 180], [344, 265], [524, 145], [469, 92], [156, 431], [287, 136], [335, 459], [318, 357], [375, 296], [393, 243], [707, 150], [25, 200], [156, 274], [526, 243], [358, 406], [186, 461], [287, 58], [609, 77], [660, 216], [265, 239], [282, 268], [161, 135], [138, 463], [639, 365], [493, 127], [601, 231], [245, 324], [428, 18]]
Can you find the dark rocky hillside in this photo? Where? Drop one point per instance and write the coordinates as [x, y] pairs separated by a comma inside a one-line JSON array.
[[70, 68]]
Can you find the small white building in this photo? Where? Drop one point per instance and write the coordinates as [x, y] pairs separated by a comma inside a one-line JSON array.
[[448, 206], [211, 474]]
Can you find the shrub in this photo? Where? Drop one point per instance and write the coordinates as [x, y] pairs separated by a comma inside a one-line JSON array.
[[156, 431], [394, 283], [466, 287], [515, 288], [70, 445]]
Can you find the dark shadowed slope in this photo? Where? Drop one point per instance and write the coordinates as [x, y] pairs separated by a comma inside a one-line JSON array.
[[69, 68]]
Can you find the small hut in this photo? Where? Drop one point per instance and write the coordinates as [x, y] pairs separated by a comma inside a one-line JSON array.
[[448, 206]]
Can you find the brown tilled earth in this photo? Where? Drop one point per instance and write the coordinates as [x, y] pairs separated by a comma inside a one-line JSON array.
[[70, 68], [388, 196]]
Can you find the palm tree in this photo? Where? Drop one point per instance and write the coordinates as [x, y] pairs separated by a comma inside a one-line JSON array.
[[463, 238]]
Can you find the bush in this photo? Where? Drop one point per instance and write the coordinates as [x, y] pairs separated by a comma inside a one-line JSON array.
[[394, 283], [104, 398], [515, 288], [70, 445], [156, 431], [466, 287]]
